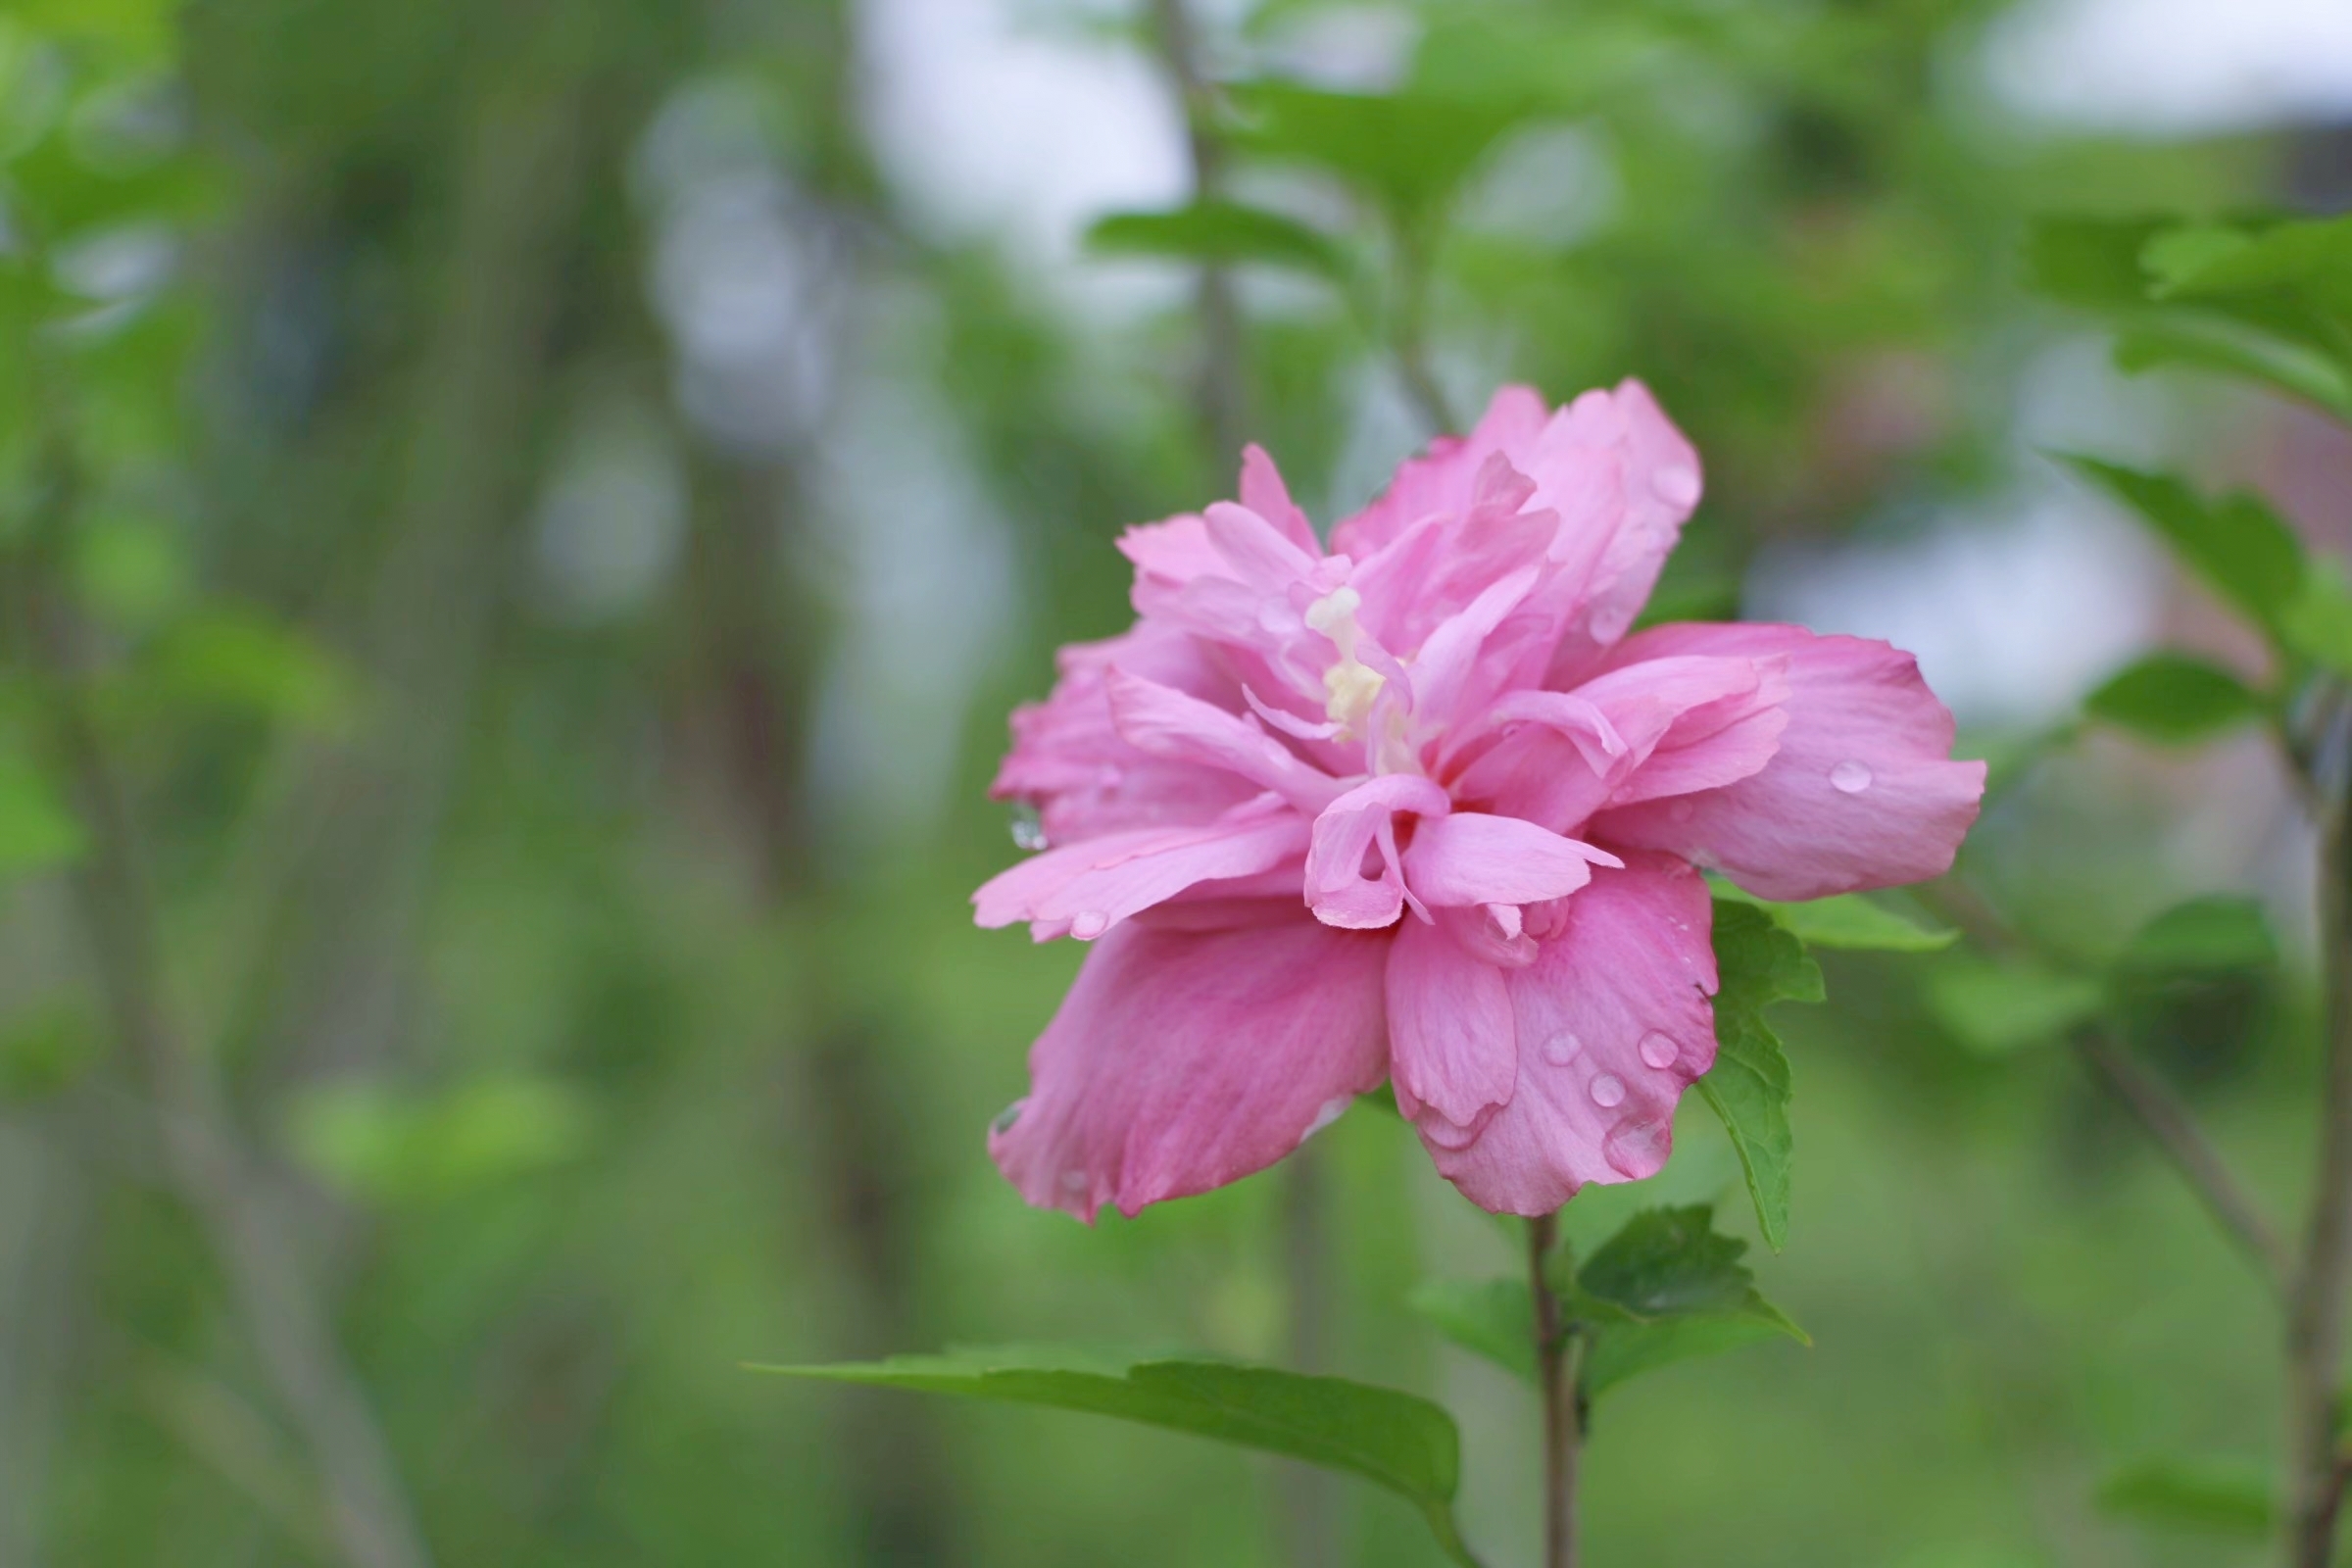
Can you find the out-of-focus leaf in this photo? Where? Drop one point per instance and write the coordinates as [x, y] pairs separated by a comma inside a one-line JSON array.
[[37, 829], [2311, 257], [46, 1050], [1493, 1318], [2174, 698], [1849, 921], [2318, 624], [2092, 262], [1407, 151], [2208, 1497], [1222, 232], [2184, 296], [1394, 1440], [1668, 1287], [395, 1147], [1997, 1009], [1757, 964], [2238, 546], [129, 568], [242, 659], [2219, 932], [2200, 341]]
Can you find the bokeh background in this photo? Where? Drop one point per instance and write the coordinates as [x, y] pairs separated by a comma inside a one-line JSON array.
[[548, 506]]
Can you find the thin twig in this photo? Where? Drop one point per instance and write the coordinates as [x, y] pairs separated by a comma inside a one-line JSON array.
[[288, 1326], [2173, 1127], [1222, 389], [2163, 1114], [1556, 1375], [2323, 1288]]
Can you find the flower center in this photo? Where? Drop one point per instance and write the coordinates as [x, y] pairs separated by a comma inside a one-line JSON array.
[[1349, 685]]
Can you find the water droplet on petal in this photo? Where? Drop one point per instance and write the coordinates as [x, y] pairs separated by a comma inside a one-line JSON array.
[[1028, 832], [1561, 1048], [1850, 777], [1636, 1148], [1007, 1118], [1659, 1050], [1609, 1090], [1088, 924], [1073, 1182], [1445, 1134], [1676, 486], [1680, 812]]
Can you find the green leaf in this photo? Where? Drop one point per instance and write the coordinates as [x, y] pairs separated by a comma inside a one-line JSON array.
[[2174, 698], [1847, 921], [1394, 1440], [2318, 624], [395, 1146], [2219, 932], [1757, 964], [240, 659], [2205, 1497], [2200, 340], [1222, 232], [2309, 258], [47, 1050], [1410, 152], [2238, 546], [2092, 262], [1994, 1009], [2181, 296], [1668, 1287], [38, 831], [1493, 1318]]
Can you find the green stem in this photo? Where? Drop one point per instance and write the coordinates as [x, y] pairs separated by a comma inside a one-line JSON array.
[[2323, 1286], [1556, 1355]]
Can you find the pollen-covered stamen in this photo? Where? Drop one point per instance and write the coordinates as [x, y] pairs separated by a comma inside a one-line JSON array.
[[1349, 685]]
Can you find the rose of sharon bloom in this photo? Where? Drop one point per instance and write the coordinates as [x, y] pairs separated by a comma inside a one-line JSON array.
[[1418, 809]]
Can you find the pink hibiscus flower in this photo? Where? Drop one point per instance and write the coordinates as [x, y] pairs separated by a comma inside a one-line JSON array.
[[1418, 809]]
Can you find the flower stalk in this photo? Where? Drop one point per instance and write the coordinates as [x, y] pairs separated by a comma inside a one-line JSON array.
[[2323, 1284], [1558, 1352]]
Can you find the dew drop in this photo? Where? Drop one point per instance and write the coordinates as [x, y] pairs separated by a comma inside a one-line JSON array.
[[1088, 924], [1636, 1148], [1007, 1118], [1561, 1048], [1073, 1182], [1028, 832], [1680, 812], [1676, 486], [1850, 777], [1609, 1090], [1659, 1050], [1445, 1134]]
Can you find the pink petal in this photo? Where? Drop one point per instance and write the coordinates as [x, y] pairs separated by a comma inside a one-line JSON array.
[[1084, 777], [1088, 887], [1473, 857], [1444, 669], [1859, 793], [1444, 481], [1651, 727], [1337, 889], [1263, 492], [1181, 1060], [1165, 723], [1255, 550], [1172, 551], [1612, 1024], [1449, 1027]]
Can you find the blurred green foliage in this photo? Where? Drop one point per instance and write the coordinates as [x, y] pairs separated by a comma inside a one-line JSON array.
[[587, 1044]]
